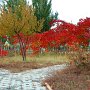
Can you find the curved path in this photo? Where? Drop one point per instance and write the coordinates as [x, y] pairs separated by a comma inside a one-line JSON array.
[[27, 80]]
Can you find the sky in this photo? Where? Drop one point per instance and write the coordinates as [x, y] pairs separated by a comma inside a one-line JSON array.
[[71, 10]]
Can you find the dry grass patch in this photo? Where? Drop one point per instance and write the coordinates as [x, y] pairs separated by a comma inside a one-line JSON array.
[[15, 64], [76, 76], [71, 78]]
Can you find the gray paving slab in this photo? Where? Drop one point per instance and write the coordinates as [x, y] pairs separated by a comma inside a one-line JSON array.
[[27, 80]]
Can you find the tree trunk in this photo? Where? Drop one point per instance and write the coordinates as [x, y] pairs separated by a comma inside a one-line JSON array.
[[23, 51], [22, 48], [23, 44]]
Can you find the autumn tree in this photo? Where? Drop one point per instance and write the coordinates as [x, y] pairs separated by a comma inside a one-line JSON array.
[[83, 27], [21, 23], [43, 10]]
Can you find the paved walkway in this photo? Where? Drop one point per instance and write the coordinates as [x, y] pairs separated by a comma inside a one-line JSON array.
[[27, 80]]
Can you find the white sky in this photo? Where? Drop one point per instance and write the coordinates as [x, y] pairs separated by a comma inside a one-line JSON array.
[[72, 10]]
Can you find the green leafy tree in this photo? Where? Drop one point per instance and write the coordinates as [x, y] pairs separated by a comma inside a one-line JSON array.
[[12, 4], [21, 21], [43, 10]]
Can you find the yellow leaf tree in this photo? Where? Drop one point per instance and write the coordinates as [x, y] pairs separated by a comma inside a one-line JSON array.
[[21, 21]]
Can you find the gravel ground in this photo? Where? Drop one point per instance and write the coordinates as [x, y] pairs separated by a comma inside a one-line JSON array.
[[27, 80]]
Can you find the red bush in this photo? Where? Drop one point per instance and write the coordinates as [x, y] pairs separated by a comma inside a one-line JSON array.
[[3, 52]]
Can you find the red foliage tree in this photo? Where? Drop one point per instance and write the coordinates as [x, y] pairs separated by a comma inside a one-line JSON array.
[[63, 33]]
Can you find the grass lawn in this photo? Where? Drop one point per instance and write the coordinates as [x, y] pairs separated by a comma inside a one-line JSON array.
[[15, 63]]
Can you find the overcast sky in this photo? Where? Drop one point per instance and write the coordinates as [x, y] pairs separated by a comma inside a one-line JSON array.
[[71, 10]]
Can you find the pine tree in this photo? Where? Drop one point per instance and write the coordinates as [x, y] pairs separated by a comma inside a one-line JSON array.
[[43, 10], [12, 4]]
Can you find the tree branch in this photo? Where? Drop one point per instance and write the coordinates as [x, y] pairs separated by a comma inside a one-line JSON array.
[[21, 28]]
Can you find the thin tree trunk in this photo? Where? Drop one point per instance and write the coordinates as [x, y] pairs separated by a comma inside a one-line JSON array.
[[22, 48], [23, 51]]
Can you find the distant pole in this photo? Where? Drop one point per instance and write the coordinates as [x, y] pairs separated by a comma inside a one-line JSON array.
[[71, 21]]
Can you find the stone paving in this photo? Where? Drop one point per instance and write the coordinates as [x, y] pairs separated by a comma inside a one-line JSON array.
[[27, 80]]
